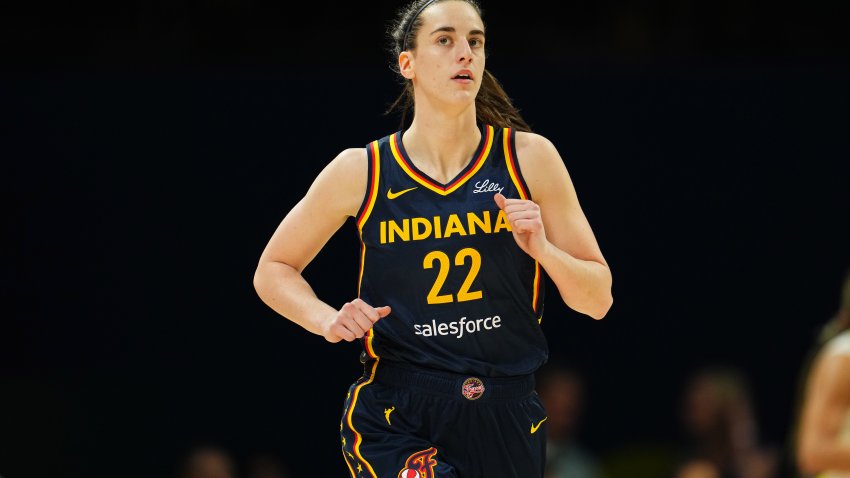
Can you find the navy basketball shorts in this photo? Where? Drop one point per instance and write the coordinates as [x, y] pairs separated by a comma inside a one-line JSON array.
[[405, 422]]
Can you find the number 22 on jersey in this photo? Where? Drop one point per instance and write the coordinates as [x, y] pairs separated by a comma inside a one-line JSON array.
[[464, 294]]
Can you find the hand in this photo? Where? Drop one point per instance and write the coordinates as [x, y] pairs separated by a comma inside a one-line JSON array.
[[526, 223], [353, 320]]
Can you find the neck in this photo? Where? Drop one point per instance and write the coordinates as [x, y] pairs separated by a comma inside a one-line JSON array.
[[442, 144]]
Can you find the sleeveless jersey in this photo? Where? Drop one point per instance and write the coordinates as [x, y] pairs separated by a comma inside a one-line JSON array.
[[465, 298]]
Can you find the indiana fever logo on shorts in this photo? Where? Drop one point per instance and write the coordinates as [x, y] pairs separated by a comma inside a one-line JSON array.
[[420, 465], [472, 388]]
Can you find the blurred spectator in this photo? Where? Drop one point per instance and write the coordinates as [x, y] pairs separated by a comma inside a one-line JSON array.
[[562, 390], [266, 465], [721, 433], [207, 461], [822, 435]]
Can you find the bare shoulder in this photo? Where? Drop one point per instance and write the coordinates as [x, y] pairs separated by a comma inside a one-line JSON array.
[[350, 161], [542, 166], [533, 148], [343, 181]]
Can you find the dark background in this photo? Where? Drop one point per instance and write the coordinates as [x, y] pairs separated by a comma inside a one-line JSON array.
[[150, 149]]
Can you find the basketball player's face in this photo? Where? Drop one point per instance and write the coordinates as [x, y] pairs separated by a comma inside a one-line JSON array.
[[448, 63]]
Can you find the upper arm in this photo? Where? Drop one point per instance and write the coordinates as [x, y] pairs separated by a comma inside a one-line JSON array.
[[552, 189], [827, 400], [335, 195]]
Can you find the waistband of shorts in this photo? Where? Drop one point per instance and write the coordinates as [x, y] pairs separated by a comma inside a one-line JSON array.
[[452, 385]]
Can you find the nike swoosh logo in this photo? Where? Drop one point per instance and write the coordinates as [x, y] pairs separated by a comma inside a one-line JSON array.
[[392, 195], [535, 427]]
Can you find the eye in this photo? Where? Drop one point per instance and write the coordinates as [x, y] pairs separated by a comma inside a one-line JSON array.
[[476, 42], [444, 41]]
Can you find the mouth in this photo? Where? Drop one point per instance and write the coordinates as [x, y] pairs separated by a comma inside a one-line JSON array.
[[464, 76]]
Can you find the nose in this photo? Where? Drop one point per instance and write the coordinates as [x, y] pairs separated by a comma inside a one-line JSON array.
[[465, 51]]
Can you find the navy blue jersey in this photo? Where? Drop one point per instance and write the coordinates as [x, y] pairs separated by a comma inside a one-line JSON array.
[[465, 298]]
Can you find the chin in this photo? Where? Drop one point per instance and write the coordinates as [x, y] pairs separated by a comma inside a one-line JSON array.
[[463, 97]]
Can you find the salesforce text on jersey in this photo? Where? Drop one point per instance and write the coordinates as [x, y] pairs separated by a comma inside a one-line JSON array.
[[457, 327]]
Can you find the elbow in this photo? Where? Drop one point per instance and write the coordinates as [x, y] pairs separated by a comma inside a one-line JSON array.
[[259, 281], [269, 276], [602, 307], [597, 308], [603, 301]]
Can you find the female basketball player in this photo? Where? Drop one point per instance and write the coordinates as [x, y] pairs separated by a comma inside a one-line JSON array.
[[459, 215]]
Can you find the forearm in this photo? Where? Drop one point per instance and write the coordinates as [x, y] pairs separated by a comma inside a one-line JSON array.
[[585, 286], [285, 290]]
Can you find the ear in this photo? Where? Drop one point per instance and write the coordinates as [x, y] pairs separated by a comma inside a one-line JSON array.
[[405, 65]]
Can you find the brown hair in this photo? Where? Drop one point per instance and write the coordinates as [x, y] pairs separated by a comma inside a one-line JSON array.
[[492, 104]]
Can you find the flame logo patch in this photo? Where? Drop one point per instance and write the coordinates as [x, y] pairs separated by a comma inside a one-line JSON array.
[[420, 465]]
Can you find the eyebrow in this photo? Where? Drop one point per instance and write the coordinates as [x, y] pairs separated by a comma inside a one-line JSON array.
[[452, 30]]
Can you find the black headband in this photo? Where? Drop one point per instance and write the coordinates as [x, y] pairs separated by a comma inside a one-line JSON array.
[[411, 22]]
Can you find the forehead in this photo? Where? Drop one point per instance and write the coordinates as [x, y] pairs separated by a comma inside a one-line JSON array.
[[458, 14]]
